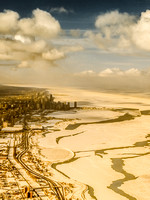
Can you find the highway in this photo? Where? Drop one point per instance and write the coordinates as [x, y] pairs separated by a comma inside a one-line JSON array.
[[29, 181], [57, 188]]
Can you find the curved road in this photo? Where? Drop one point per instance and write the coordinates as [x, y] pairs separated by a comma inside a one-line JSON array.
[[55, 187]]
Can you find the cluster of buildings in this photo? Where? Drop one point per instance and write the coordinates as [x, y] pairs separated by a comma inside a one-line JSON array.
[[13, 108], [15, 112], [8, 184]]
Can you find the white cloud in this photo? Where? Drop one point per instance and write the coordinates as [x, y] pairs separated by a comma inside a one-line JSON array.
[[24, 64], [60, 10], [114, 18], [114, 79], [28, 41], [42, 24], [133, 72], [112, 72], [53, 54], [122, 33], [86, 73], [8, 22], [22, 39], [15, 50], [141, 31]]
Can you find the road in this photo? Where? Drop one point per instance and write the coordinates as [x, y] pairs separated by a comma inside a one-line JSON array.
[[57, 188], [28, 181]]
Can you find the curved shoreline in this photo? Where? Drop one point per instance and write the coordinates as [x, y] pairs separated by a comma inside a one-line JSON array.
[[61, 137], [117, 165], [122, 118], [57, 159], [89, 188]]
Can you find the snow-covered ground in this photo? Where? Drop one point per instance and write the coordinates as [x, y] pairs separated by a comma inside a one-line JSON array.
[[112, 156], [57, 154]]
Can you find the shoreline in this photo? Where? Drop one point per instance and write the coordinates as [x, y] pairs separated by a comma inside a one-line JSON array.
[[95, 144]]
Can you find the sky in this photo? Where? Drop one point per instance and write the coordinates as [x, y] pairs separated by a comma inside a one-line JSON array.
[[101, 45], [76, 14]]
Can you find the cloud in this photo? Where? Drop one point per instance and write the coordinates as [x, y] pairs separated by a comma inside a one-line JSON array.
[[60, 10], [16, 50], [54, 54], [114, 18], [22, 39], [141, 31], [8, 22], [117, 72], [75, 48], [113, 79], [28, 41], [122, 32], [42, 24], [133, 72], [24, 64], [86, 73], [75, 33], [12, 50], [111, 72]]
